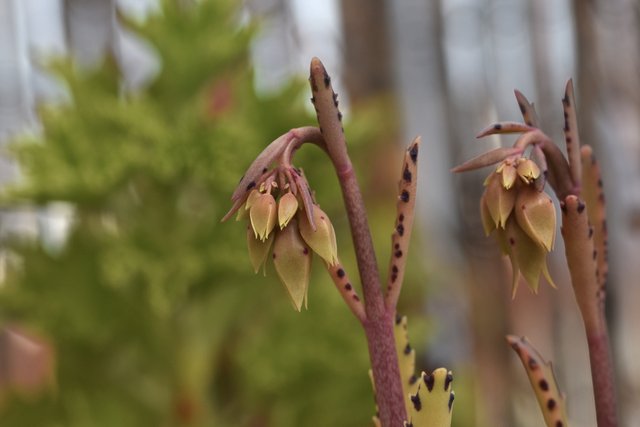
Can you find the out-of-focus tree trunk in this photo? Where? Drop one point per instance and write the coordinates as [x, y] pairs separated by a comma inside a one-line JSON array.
[[366, 54]]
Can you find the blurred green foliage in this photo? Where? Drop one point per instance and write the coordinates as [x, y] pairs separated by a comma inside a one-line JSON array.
[[155, 315]]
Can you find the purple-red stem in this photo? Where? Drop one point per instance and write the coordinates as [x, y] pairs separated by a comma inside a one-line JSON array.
[[378, 325]]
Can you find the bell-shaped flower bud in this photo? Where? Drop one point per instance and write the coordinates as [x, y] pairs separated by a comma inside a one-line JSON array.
[[500, 201], [509, 175], [292, 259], [528, 171], [287, 208], [258, 249], [527, 257], [251, 198], [323, 239], [263, 215], [536, 215], [487, 221]]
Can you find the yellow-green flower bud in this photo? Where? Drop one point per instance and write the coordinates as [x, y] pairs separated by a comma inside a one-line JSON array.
[[508, 176], [536, 215], [323, 239], [251, 198], [292, 259], [263, 215], [499, 200], [287, 208], [528, 171], [258, 249], [487, 221]]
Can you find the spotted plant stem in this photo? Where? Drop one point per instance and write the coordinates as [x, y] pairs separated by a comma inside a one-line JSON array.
[[405, 213], [379, 323], [571, 136], [527, 109], [345, 287], [582, 261], [543, 381], [504, 128], [593, 195]]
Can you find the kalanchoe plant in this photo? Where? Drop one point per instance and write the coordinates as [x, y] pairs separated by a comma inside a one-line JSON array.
[[522, 216], [286, 221]]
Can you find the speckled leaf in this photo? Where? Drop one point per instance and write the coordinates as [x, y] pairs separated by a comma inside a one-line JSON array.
[[543, 382], [406, 358], [292, 260], [536, 215], [432, 403], [323, 239]]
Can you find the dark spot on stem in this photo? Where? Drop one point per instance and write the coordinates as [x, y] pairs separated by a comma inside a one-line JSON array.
[[429, 380], [313, 99], [400, 229], [448, 380], [590, 232], [512, 241], [551, 404], [497, 126], [339, 116], [394, 277], [559, 424], [581, 206], [416, 402], [406, 174], [335, 99], [340, 273], [401, 218], [595, 254], [599, 182], [398, 254], [251, 185], [327, 79], [274, 255], [451, 397], [568, 139], [396, 246], [544, 385], [407, 349], [305, 251], [394, 269], [404, 196], [413, 153], [533, 365], [413, 379], [356, 297], [348, 286], [398, 319], [563, 206]]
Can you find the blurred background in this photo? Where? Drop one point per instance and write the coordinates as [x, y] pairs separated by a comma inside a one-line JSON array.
[[125, 125]]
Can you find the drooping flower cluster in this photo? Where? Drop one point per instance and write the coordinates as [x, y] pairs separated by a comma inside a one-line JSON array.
[[281, 225], [522, 217]]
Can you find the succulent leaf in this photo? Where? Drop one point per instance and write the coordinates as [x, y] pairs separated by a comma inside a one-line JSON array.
[[432, 403], [263, 215], [536, 215], [292, 260], [323, 239], [543, 382], [287, 208]]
